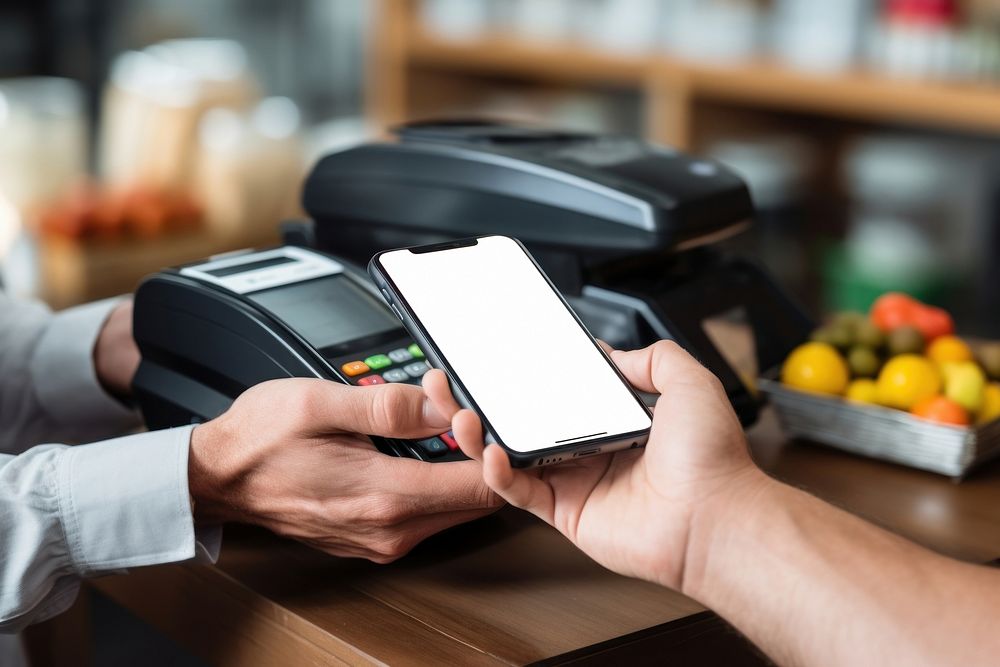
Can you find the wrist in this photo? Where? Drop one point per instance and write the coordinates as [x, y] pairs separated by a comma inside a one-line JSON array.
[[715, 524], [211, 475]]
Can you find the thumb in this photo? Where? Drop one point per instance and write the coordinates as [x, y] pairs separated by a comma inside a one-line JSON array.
[[389, 410], [656, 367]]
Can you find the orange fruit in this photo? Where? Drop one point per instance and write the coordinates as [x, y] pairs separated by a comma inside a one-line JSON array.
[[817, 368], [942, 410], [947, 349], [907, 379]]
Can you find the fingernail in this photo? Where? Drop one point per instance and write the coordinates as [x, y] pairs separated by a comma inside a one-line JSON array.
[[431, 415]]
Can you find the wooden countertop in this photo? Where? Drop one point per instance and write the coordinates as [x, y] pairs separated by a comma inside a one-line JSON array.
[[510, 590], [960, 519]]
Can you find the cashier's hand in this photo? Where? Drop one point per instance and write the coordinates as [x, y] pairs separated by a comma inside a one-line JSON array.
[[632, 511], [288, 456], [116, 356]]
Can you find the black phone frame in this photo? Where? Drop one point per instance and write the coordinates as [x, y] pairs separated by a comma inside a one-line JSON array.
[[416, 329]]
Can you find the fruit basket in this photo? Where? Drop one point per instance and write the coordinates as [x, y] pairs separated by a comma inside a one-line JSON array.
[[896, 384], [881, 433]]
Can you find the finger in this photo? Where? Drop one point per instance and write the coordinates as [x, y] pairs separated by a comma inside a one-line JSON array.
[[656, 367], [517, 487], [390, 410], [604, 346], [468, 431], [431, 488], [435, 384], [530, 493]]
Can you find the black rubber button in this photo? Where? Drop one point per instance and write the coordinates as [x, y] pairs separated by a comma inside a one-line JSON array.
[[433, 447]]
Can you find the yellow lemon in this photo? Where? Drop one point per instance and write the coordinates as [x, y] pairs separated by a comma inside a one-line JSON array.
[[945, 349], [990, 408], [964, 382], [907, 379], [816, 367], [862, 390]]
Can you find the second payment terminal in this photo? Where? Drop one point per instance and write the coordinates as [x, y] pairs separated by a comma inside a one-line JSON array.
[[210, 330]]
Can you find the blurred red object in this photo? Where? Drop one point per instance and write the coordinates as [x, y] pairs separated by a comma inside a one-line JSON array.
[[927, 12], [893, 310], [90, 212]]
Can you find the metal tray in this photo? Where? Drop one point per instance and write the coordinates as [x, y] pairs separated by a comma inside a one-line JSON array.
[[881, 433]]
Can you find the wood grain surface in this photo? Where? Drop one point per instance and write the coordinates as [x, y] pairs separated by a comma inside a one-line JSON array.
[[510, 590]]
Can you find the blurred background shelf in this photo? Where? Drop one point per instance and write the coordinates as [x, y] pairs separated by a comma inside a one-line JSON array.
[[507, 54], [78, 272], [758, 84], [871, 170], [868, 130], [853, 95]]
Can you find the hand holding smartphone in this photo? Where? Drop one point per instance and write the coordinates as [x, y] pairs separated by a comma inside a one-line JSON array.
[[513, 350]]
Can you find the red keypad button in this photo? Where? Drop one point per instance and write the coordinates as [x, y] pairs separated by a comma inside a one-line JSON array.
[[372, 379], [449, 439]]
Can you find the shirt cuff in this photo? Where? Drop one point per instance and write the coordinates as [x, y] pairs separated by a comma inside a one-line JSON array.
[[64, 377], [125, 503]]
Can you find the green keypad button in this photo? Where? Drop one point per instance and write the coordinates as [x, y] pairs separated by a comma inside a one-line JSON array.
[[377, 361], [415, 350]]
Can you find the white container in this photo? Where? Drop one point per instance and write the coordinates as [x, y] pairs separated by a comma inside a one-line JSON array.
[[544, 20], [712, 30], [622, 26], [820, 36], [43, 147], [42, 139], [456, 19], [154, 101], [249, 165], [916, 50]]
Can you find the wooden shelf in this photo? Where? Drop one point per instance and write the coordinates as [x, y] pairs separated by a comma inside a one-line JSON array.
[[75, 272], [506, 56], [853, 95]]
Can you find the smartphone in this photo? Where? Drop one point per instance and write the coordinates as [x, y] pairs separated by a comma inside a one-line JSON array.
[[514, 351]]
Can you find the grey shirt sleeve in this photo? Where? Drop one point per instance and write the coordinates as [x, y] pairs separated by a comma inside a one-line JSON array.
[[72, 512], [48, 387]]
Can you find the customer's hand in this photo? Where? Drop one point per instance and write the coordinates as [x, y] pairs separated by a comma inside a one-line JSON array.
[[633, 511], [116, 356], [287, 456]]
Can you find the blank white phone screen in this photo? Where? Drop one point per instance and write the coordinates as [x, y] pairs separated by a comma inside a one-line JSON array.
[[529, 366]]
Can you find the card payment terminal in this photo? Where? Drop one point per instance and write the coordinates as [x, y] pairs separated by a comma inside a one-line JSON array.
[[210, 330]]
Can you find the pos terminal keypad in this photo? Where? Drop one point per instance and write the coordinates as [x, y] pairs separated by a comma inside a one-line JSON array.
[[400, 363], [211, 329]]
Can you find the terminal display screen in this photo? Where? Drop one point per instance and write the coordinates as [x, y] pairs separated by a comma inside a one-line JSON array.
[[328, 311]]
